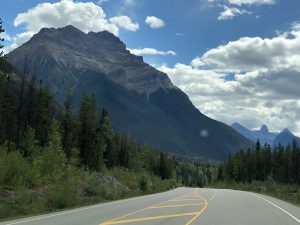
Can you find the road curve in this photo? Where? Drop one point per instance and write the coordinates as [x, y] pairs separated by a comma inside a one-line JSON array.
[[182, 206]]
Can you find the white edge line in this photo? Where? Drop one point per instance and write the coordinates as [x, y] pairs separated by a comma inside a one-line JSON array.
[[85, 208], [286, 212]]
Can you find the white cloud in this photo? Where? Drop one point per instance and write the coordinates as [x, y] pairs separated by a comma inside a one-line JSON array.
[[86, 16], [100, 2], [129, 2], [252, 2], [265, 88], [249, 54], [5, 36], [150, 51], [154, 22], [230, 12], [124, 22], [180, 34]]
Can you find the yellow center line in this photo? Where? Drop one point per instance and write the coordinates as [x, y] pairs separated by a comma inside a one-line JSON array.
[[200, 212], [185, 199], [138, 211], [170, 206], [152, 218]]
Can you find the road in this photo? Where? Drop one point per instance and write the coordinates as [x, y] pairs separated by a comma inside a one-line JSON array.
[[182, 206]]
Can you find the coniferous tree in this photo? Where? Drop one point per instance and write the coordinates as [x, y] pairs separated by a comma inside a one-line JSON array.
[[100, 149], [44, 113], [29, 144], [31, 101], [20, 111], [257, 161], [69, 126], [53, 159], [88, 128]]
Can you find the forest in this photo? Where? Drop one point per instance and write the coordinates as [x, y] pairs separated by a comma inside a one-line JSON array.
[[274, 172], [56, 156], [281, 165]]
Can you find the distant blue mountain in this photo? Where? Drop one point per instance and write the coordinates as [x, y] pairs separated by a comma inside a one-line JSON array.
[[263, 135], [273, 139], [285, 138], [244, 131]]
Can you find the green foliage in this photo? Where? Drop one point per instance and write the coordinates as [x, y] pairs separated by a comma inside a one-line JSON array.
[[29, 145], [52, 161], [14, 169], [144, 186], [69, 126], [88, 127], [49, 161], [282, 165]]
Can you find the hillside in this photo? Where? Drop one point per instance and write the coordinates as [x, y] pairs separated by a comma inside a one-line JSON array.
[[141, 100]]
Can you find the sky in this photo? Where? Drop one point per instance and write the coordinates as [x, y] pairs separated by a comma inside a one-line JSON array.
[[237, 60]]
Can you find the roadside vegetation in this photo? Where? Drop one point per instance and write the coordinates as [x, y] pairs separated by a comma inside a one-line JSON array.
[[273, 172], [54, 157]]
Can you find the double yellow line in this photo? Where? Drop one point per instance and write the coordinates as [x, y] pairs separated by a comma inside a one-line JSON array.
[[160, 205]]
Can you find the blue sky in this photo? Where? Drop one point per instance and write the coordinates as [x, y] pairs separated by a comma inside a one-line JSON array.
[[234, 58]]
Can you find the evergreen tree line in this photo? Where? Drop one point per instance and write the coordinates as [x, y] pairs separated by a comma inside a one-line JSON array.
[[28, 112], [261, 164], [30, 118]]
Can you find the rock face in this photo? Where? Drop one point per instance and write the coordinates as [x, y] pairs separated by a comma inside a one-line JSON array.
[[63, 55], [141, 100]]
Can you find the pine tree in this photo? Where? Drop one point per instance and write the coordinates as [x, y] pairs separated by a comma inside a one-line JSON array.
[[105, 126], [31, 101], [257, 161], [44, 113], [88, 127], [20, 111], [100, 149], [69, 126], [53, 160], [29, 144]]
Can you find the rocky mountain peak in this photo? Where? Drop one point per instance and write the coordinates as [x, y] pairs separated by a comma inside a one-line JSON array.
[[264, 129], [286, 130], [72, 51]]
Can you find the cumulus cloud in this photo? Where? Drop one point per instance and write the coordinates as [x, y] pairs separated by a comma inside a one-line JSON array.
[[256, 53], [154, 22], [233, 8], [5, 36], [265, 88], [252, 2], [86, 16], [230, 12], [124, 22], [100, 2], [150, 51]]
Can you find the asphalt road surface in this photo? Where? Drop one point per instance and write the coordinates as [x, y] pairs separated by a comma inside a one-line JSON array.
[[182, 206]]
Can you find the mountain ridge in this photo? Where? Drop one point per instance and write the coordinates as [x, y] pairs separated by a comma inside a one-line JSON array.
[[284, 138], [141, 100]]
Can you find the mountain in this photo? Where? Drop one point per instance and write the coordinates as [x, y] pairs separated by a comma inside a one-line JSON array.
[[244, 131], [273, 139], [285, 138], [141, 100], [263, 135]]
